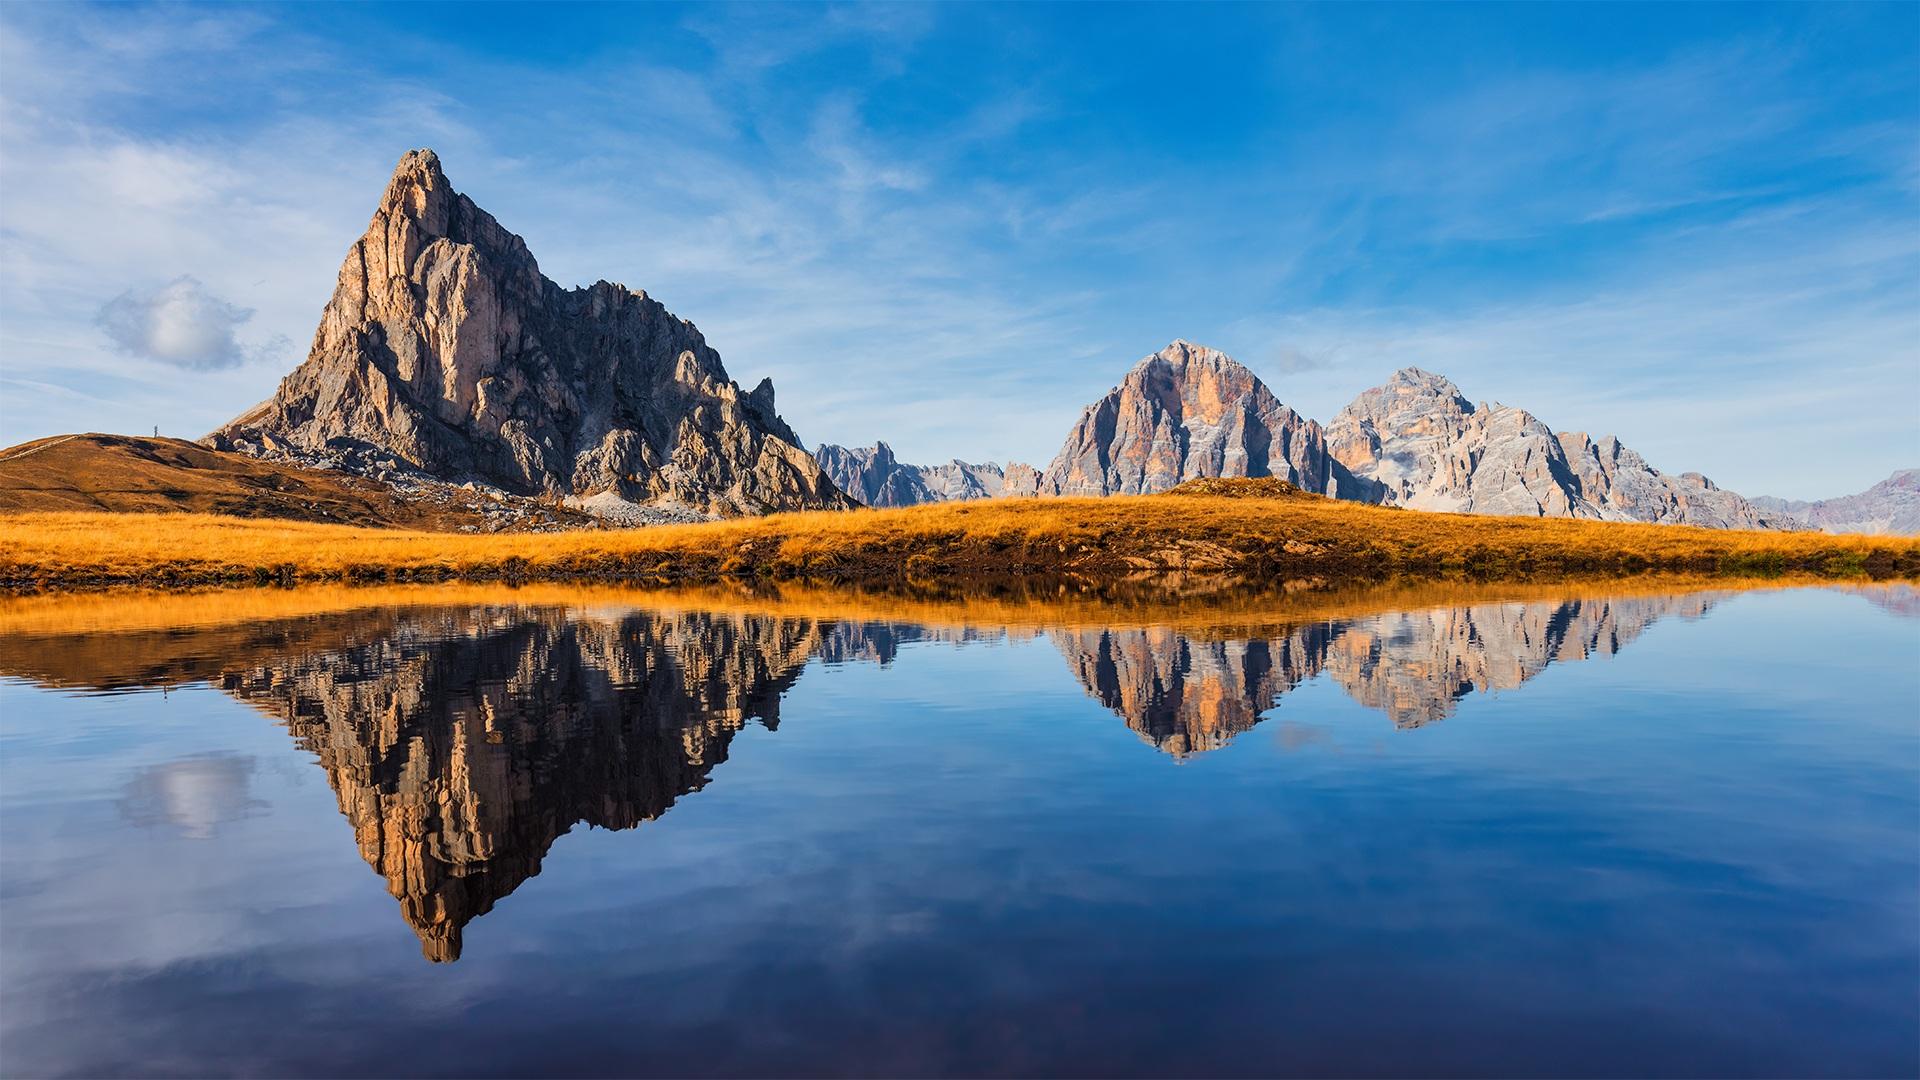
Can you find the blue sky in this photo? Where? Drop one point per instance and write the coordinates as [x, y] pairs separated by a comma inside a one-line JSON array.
[[953, 226]]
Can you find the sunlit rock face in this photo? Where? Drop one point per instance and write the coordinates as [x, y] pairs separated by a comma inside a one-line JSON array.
[[444, 345], [873, 476], [460, 753], [1185, 412], [1417, 442]]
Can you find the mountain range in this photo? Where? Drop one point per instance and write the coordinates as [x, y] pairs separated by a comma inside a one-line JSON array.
[[1416, 441], [445, 351], [1890, 506]]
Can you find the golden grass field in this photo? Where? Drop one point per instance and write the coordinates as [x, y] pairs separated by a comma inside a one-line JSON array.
[[1255, 531]]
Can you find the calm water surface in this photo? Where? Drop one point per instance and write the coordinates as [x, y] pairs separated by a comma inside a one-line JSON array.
[[1672, 834]]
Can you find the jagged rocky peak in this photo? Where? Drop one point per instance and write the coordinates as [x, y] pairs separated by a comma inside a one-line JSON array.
[[1417, 441], [445, 346], [1185, 412], [874, 476]]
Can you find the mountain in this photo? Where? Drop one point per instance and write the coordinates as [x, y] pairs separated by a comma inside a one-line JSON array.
[[1416, 441], [446, 347], [873, 476], [1890, 506], [1185, 412]]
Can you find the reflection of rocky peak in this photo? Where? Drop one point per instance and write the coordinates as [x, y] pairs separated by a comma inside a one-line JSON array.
[[1186, 412], [462, 741], [445, 346], [879, 642], [1185, 695], [459, 754], [1415, 665]]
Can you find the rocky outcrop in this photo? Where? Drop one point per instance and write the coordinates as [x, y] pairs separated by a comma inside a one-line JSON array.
[[444, 346], [1187, 412], [1417, 442], [1890, 507], [873, 476]]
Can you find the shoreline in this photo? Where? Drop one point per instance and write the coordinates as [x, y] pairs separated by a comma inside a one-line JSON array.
[[1254, 538]]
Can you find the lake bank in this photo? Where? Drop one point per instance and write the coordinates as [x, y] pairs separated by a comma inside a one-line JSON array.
[[1227, 536]]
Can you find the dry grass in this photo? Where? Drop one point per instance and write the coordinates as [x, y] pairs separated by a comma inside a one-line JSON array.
[[127, 474], [1259, 539]]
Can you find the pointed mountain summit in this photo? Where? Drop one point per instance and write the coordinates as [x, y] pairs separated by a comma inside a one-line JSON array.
[[1186, 412], [1416, 441], [445, 346]]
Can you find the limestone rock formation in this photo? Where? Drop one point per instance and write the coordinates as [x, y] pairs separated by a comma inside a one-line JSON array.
[[444, 345], [1187, 411], [1416, 441], [872, 475], [1891, 506]]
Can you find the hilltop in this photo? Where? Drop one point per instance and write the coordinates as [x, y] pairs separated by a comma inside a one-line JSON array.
[[122, 474]]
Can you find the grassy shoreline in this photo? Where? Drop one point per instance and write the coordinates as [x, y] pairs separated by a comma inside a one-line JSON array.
[[1265, 538]]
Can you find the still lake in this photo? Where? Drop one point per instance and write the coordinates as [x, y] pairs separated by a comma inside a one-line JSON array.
[[540, 833]]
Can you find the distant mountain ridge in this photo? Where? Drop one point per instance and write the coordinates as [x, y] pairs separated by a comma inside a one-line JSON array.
[[1891, 506], [1189, 411], [874, 477]]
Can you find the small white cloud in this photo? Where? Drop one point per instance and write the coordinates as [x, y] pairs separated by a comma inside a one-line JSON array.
[[180, 323], [1293, 360]]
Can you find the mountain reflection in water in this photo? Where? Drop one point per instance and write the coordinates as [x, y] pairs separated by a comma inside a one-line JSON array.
[[462, 741]]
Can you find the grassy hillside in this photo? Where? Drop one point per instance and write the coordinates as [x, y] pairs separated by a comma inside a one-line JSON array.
[[129, 474], [1253, 530]]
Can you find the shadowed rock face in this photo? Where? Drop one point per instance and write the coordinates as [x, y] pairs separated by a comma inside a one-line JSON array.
[[873, 476], [1185, 412], [1416, 441], [444, 345]]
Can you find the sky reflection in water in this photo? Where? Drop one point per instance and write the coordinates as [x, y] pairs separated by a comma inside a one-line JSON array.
[[1650, 832]]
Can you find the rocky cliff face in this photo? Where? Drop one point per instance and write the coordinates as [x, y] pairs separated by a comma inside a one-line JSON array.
[[1891, 506], [1416, 441], [1187, 411], [444, 345], [873, 476]]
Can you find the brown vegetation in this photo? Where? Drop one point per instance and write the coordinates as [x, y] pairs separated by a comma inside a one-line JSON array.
[[128, 474], [1261, 539]]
